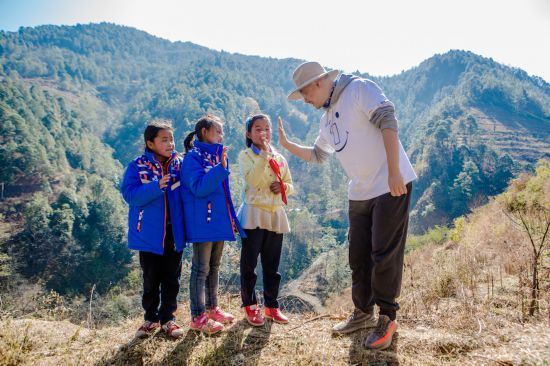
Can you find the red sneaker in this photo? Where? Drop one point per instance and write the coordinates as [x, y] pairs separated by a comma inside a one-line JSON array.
[[275, 315], [201, 323], [220, 316], [254, 316], [173, 329], [146, 329]]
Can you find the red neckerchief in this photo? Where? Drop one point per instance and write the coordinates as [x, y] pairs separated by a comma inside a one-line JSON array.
[[275, 167]]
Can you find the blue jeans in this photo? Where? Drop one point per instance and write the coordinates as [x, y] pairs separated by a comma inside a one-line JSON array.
[[205, 268]]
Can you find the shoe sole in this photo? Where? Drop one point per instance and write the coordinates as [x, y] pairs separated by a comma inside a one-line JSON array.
[[205, 331], [174, 336], [275, 320], [386, 344], [355, 329], [145, 335], [254, 324], [225, 322]]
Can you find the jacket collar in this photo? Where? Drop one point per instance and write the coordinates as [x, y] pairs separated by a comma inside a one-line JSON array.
[[152, 157], [208, 148], [257, 151]]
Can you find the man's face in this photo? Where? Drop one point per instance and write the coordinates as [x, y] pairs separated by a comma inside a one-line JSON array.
[[315, 93]]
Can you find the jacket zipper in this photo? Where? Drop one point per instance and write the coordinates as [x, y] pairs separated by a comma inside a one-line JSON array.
[[233, 224], [165, 204], [164, 233]]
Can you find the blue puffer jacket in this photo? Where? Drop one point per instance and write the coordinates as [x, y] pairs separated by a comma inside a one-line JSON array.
[[209, 212], [147, 218]]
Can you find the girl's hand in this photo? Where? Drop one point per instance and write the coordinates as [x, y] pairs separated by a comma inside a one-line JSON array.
[[224, 157], [163, 182], [264, 146], [283, 141], [275, 187]]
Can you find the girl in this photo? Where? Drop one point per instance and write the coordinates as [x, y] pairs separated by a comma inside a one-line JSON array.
[[267, 184], [209, 220], [150, 187]]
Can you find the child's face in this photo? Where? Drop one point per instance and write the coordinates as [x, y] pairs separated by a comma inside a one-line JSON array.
[[213, 135], [260, 133], [163, 144]]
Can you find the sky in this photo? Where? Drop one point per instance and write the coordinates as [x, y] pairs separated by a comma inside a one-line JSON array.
[[381, 37]]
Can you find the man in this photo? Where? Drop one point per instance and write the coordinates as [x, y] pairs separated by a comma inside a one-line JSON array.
[[359, 125]]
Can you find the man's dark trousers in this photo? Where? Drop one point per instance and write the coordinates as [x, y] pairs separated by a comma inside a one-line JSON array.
[[377, 235]]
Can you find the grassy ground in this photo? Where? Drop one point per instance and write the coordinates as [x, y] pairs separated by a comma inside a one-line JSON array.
[[464, 302], [307, 340]]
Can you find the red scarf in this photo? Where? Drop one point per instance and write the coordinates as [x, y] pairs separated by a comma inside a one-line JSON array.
[[275, 167]]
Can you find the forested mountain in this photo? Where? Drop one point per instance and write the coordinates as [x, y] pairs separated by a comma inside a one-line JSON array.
[[75, 99], [469, 124]]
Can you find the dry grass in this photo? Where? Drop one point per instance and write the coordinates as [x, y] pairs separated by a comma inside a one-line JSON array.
[[462, 304], [303, 342]]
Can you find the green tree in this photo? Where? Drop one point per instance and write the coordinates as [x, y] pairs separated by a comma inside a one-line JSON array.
[[527, 204], [106, 257], [31, 245]]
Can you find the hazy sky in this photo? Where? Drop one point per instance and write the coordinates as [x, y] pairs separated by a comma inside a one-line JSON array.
[[380, 37]]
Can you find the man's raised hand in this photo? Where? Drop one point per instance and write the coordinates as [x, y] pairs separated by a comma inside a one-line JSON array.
[[282, 135]]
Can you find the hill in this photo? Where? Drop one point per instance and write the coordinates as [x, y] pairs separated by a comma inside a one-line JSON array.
[[74, 100], [462, 115], [465, 300], [469, 124]]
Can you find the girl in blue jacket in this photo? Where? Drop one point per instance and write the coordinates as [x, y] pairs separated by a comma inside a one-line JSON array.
[[210, 219], [151, 188]]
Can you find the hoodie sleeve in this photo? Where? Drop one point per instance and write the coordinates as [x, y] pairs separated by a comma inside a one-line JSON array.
[[375, 105], [321, 150], [136, 193], [199, 182]]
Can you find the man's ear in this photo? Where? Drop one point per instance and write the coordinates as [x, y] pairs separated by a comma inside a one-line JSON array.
[[149, 145]]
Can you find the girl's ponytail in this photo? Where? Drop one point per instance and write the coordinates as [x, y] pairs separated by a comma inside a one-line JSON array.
[[204, 122], [188, 142]]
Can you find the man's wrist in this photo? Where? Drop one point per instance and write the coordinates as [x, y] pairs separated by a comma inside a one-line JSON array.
[[395, 172]]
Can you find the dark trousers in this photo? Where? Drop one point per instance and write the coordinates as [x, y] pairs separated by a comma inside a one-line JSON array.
[[161, 282], [377, 235], [267, 244]]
